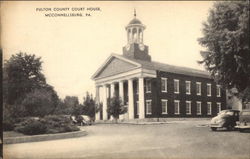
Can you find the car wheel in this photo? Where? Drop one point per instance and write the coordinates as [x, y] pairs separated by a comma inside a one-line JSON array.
[[213, 128]]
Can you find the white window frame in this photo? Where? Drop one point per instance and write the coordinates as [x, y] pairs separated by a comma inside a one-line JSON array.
[[147, 101], [178, 86], [209, 89], [218, 90], [147, 86], [188, 82], [177, 101], [209, 104], [138, 108], [165, 80], [198, 93], [188, 102], [198, 103], [164, 100], [218, 104]]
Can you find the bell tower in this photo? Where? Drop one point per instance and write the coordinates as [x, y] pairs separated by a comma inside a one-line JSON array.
[[135, 47]]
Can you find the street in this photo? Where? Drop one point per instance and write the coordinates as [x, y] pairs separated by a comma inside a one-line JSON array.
[[189, 139]]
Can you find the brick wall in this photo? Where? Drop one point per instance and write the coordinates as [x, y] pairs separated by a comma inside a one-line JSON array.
[[156, 95]]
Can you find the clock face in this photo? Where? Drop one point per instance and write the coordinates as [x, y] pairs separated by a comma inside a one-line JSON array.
[[128, 47], [142, 47]]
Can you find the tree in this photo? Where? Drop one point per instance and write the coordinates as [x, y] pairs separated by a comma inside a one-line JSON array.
[[23, 83], [89, 105], [39, 102], [72, 103], [226, 38], [21, 75], [115, 107]]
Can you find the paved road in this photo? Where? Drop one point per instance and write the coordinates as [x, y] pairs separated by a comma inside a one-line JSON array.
[[176, 140]]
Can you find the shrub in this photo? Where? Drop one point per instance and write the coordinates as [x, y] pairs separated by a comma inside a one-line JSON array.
[[31, 127], [48, 125]]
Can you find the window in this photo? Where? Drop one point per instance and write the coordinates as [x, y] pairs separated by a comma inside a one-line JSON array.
[[188, 87], [188, 107], [198, 88], [218, 107], [164, 84], [218, 91], [148, 86], [149, 106], [208, 89], [176, 86], [209, 108], [176, 107], [164, 105], [137, 107], [198, 110]]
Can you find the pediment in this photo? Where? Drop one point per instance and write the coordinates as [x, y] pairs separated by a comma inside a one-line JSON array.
[[115, 65]]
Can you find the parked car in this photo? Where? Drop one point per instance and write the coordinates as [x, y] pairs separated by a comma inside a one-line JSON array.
[[81, 120], [225, 119], [244, 120]]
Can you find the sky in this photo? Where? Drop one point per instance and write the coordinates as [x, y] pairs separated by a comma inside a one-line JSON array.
[[73, 48]]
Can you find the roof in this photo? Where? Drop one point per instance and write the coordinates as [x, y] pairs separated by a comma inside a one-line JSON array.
[[135, 21], [153, 65]]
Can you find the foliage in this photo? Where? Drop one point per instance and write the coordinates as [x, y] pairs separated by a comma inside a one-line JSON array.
[[226, 37], [22, 76], [47, 125], [71, 101], [62, 108], [39, 102], [89, 105], [115, 107], [31, 127]]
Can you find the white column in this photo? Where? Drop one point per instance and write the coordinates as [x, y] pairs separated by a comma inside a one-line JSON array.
[[104, 107], [141, 98], [121, 95], [97, 97], [130, 99], [121, 91], [112, 90]]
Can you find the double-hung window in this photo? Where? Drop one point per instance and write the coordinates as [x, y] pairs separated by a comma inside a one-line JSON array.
[[198, 108], [218, 107], [209, 89], [164, 86], [164, 105], [198, 88], [218, 90], [209, 108], [149, 106], [188, 107], [188, 87], [176, 86], [148, 86], [176, 107]]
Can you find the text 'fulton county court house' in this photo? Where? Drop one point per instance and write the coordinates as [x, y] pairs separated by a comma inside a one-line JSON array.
[[154, 90]]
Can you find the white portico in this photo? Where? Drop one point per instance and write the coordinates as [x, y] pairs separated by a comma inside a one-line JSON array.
[[123, 77]]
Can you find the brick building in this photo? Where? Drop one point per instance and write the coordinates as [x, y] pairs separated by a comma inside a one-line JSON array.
[[155, 90]]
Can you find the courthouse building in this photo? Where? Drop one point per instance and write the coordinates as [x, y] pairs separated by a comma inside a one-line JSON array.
[[151, 89]]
